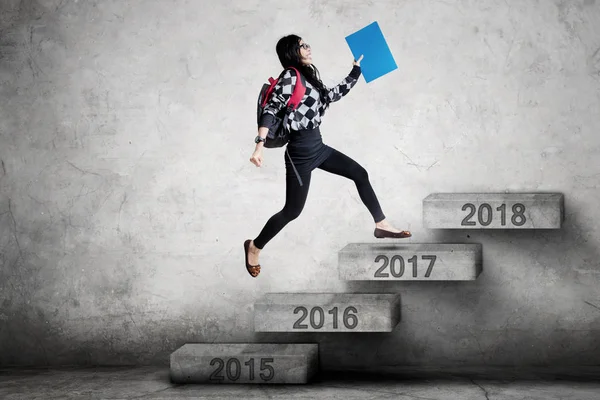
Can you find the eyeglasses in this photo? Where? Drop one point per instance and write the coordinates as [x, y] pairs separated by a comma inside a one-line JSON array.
[[305, 46]]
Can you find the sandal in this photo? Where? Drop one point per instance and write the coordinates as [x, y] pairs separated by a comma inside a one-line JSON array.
[[253, 270], [381, 233]]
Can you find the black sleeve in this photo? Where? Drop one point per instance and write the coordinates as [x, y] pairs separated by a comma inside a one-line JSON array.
[[344, 87]]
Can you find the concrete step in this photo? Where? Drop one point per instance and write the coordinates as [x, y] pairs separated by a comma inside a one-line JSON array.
[[410, 262], [493, 211], [326, 312], [244, 363]]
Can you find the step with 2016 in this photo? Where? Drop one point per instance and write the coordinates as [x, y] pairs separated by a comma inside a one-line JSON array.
[[327, 312]]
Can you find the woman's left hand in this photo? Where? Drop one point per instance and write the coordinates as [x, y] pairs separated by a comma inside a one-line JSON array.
[[357, 62]]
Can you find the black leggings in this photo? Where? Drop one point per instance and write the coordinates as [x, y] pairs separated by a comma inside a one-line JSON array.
[[295, 195]]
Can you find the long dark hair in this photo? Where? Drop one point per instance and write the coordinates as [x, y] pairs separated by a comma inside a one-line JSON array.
[[288, 51]]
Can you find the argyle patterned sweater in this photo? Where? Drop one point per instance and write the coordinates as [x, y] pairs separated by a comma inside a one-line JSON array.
[[309, 112]]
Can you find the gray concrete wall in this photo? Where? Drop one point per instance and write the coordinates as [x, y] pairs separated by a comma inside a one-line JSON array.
[[126, 190]]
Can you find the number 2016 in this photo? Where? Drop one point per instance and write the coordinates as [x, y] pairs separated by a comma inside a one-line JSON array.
[[349, 320], [517, 219], [413, 260]]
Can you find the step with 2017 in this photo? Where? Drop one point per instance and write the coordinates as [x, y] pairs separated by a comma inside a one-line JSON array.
[[410, 262]]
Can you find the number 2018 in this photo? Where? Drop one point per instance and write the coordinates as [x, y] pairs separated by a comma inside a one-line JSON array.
[[517, 219]]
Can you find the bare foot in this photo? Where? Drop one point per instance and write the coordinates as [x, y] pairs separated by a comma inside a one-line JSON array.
[[253, 253]]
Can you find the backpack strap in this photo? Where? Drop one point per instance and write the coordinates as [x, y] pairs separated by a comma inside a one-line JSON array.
[[299, 90], [293, 166], [267, 93], [297, 94], [293, 102]]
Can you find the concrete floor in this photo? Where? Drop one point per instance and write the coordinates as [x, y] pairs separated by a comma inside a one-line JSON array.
[[153, 383]]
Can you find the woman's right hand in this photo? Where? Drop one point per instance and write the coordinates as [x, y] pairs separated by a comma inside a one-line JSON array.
[[256, 158], [357, 62]]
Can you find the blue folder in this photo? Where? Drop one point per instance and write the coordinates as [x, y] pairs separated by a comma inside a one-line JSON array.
[[378, 59]]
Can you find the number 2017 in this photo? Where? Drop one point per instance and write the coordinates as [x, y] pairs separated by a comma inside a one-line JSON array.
[[413, 260], [517, 219]]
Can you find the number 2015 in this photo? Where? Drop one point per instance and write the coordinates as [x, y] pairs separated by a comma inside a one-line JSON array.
[[517, 219], [392, 262], [233, 374]]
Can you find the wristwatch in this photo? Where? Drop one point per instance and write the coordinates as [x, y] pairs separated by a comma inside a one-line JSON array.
[[258, 139]]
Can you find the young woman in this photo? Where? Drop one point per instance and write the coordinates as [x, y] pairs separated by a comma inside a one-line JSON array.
[[305, 149]]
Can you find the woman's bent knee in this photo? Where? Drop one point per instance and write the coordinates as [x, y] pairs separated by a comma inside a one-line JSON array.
[[361, 175], [291, 214]]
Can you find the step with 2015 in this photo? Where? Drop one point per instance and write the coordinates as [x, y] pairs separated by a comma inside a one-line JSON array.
[[244, 363]]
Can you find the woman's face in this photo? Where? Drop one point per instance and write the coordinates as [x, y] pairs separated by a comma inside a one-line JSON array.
[[305, 53]]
